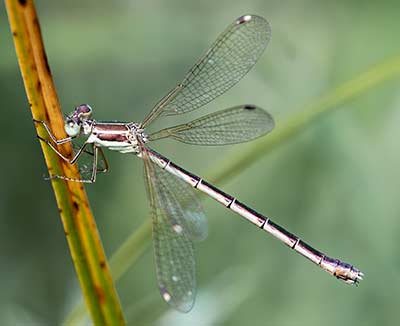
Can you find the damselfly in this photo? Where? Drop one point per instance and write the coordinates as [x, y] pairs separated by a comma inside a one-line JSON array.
[[178, 219]]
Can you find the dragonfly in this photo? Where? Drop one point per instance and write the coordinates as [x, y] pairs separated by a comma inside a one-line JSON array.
[[177, 217]]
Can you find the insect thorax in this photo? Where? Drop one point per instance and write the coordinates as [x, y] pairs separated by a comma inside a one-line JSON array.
[[118, 136], [137, 136], [137, 133]]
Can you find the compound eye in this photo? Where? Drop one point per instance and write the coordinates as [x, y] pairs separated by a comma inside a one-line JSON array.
[[72, 128], [84, 110]]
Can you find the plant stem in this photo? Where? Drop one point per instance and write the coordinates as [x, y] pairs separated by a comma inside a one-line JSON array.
[[79, 225]]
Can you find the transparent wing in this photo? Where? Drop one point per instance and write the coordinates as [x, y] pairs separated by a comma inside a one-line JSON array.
[[231, 56], [86, 161], [180, 202], [177, 220], [234, 125]]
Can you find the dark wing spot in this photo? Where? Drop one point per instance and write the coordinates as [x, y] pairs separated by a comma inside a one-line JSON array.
[[249, 107], [22, 2], [243, 19]]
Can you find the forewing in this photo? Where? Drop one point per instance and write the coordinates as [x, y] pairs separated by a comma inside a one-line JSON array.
[[234, 125], [231, 56], [176, 222]]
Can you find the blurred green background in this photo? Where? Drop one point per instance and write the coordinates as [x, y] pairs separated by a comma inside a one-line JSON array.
[[336, 184]]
